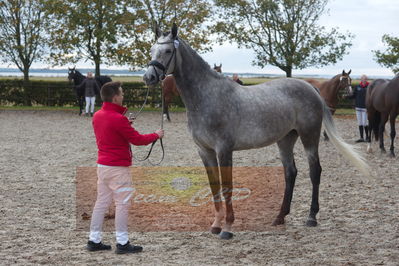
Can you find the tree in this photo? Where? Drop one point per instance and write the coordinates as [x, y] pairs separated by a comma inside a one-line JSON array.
[[20, 40], [120, 32], [192, 17], [389, 58], [85, 30], [283, 33]]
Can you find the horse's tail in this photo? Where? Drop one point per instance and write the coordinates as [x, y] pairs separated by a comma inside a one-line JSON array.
[[346, 149]]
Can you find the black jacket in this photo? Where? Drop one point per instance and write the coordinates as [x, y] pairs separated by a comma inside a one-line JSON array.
[[90, 87], [359, 94]]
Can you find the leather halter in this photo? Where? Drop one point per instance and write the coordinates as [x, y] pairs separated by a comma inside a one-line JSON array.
[[156, 64]]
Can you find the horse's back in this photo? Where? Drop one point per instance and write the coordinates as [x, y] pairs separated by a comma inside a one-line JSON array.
[[375, 97], [103, 79]]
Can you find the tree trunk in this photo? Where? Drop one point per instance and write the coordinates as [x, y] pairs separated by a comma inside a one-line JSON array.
[[26, 75], [288, 72], [97, 62], [27, 88]]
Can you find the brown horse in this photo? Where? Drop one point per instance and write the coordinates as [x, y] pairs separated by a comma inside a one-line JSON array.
[[217, 68], [382, 102], [330, 88], [169, 91]]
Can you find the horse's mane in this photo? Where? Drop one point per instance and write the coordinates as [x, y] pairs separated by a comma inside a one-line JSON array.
[[79, 74], [201, 62]]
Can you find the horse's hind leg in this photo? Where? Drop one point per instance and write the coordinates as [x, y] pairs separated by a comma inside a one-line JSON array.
[[381, 129], [311, 144], [286, 147], [393, 132], [211, 165]]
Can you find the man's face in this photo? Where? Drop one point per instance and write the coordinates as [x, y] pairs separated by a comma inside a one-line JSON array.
[[118, 99], [364, 79]]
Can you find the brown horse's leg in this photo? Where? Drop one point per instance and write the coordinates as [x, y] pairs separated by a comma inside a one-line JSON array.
[[166, 103], [393, 132], [286, 146], [226, 171], [211, 165], [381, 129]]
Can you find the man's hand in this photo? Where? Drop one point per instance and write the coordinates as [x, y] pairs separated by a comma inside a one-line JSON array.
[[160, 133]]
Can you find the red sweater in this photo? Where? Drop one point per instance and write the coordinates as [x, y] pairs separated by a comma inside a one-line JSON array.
[[114, 134]]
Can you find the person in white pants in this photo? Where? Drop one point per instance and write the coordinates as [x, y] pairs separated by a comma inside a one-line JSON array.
[[91, 88], [359, 94]]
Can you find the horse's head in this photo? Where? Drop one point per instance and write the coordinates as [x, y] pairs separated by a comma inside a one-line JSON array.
[[163, 56], [345, 82], [71, 73], [217, 68]]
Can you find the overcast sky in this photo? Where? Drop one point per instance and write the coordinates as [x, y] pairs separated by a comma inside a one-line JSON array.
[[368, 20]]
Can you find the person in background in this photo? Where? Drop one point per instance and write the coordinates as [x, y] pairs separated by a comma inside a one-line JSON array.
[[359, 94], [91, 88], [114, 134], [236, 79]]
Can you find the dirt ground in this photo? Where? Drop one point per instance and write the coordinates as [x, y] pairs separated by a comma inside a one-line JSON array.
[[42, 151]]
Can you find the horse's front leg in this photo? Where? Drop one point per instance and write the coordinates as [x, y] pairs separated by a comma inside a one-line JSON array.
[[226, 171], [211, 165]]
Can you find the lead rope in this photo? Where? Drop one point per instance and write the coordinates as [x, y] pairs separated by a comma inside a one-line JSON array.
[[160, 140]]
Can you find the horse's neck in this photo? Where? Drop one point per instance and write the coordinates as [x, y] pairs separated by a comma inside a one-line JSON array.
[[79, 78], [193, 76], [332, 87]]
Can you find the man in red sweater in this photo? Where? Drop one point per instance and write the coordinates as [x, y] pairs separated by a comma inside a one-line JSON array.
[[114, 134]]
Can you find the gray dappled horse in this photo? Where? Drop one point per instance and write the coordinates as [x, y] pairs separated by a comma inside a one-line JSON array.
[[224, 117]]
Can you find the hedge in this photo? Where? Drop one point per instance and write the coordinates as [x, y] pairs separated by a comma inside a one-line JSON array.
[[62, 93]]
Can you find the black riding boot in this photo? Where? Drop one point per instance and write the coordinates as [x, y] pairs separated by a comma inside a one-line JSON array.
[[366, 128], [361, 134]]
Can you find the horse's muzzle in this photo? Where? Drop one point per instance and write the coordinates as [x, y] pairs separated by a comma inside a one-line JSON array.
[[150, 77]]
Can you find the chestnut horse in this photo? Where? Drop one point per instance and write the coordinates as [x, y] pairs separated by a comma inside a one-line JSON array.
[[329, 90], [217, 68], [169, 91], [382, 102]]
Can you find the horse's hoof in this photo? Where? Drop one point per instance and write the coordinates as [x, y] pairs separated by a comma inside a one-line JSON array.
[[311, 223], [278, 221], [392, 155], [226, 235], [216, 230], [369, 149]]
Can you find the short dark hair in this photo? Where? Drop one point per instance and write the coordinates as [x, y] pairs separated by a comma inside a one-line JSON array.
[[109, 90]]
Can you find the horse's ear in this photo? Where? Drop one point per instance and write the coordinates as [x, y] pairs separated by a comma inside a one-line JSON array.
[[220, 65], [157, 31], [214, 65], [349, 72], [343, 72], [174, 31]]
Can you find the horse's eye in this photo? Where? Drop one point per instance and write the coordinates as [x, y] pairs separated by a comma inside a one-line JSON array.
[[168, 51]]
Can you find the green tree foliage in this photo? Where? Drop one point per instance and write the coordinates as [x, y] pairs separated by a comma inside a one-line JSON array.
[[191, 16], [85, 29], [121, 31], [389, 58], [20, 40], [283, 33]]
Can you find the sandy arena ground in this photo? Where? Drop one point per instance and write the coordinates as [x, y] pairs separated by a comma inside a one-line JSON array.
[[40, 152]]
